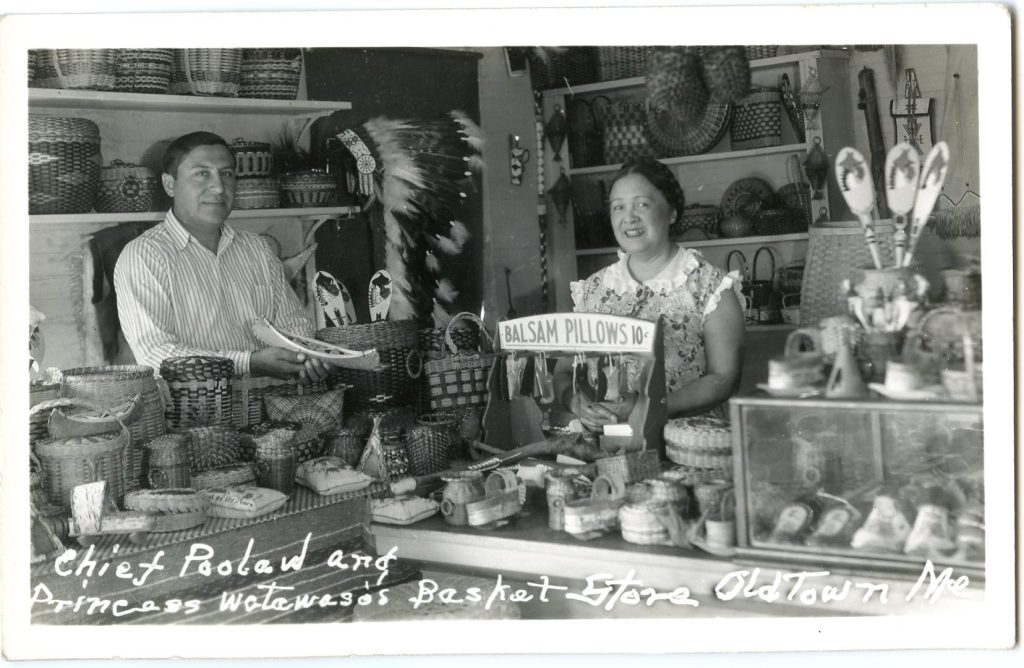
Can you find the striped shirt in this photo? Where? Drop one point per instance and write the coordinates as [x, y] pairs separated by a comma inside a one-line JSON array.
[[175, 297]]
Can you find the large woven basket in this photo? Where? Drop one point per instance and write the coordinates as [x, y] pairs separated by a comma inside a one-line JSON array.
[[669, 135], [144, 70], [571, 66], [621, 62], [82, 459], [257, 193], [214, 72], [87, 69], [200, 388], [459, 379], [270, 73], [63, 164], [126, 188], [393, 382], [113, 385], [757, 121], [835, 253]]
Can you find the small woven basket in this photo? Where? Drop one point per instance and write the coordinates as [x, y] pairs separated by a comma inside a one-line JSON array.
[[200, 388], [640, 524], [169, 457], [253, 159], [586, 517], [270, 74], [83, 69], [427, 445], [212, 72], [393, 382], [63, 164], [768, 222], [211, 447], [431, 341], [272, 446], [702, 217], [630, 467], [38, 392], [82, 459], [310, 188], [621, 62], [625, 135], [345, 442], [796, 198], [459, 380], [317, 413], [126, 188], [247, 394], [257, 193], [144, 70], [757, 120]]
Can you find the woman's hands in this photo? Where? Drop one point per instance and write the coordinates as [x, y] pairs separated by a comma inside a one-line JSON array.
[[594, 416]]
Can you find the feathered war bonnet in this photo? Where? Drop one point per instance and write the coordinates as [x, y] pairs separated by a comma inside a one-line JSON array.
[[420, 172]]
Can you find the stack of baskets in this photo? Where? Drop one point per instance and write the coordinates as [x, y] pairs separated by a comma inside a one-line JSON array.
[[459, 379], [144, 70], [271, 74], [757, 120], [82, 69], [200, 388], [126, 188], [393, 382], [63, 164], [255, 187], [212, 72]]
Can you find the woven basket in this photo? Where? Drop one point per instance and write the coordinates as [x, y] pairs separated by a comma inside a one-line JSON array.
[[600, 512], [621, 62], [796, 198], [761, 51], [38, 392], [428, 445], [310, 188], [640, 524], [316, 413], [697, 216], [257, 193], [460, 379], [431, 341], [768, 222], [247, 394], [144, 70], [391, 383], [630, 467], [63, 164], [200, 389], [253, 159], [272, 445], [84, 69], [757, 121], [833, 254], [675, 83], [345, 442], [586, 133], [241, 473], [270, 74], [726, 71], [625, 134], [669, 135], [211, 447], [169, 457], [32, 58], [790, 278], [569, 67], [269, 431], [126, 188], [206, 72], [114, 385], [82, 459]]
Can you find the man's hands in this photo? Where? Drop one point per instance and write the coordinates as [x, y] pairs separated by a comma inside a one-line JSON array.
[[281, 363]]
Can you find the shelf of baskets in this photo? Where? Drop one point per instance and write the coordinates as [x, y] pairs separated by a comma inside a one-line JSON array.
[[237, 215], [702, 158], [737, 241], [91, 99]]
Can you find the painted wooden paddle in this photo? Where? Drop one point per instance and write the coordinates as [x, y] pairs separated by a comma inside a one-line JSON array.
[[854, 177], [335, 301], [902, 173], [380, 296], [933, 175]]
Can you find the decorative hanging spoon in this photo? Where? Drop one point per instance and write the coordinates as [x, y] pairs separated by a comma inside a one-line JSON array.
[[854, 176], [380, 296], [335, 301], [933, 175], [902, 171]]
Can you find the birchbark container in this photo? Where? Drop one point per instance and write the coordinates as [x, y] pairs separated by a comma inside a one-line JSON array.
[[169, 462], [501, 499], [590, 517], [461, 488], [560, 488]]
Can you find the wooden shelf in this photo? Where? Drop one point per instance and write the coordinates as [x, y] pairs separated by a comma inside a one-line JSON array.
[[92, 99], [738, 241], [780, 327], [702, 158], [238, 214]]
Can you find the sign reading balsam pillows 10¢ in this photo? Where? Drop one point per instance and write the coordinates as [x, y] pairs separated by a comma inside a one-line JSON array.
[[578, 332]]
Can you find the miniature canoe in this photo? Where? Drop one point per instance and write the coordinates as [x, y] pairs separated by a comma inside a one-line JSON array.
[[336, 355]]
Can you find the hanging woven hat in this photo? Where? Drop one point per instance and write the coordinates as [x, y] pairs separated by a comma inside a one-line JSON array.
[[727, 73], [675, 84]]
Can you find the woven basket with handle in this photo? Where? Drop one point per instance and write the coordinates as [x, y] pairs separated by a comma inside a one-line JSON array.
[[393, 382], [460, 378]]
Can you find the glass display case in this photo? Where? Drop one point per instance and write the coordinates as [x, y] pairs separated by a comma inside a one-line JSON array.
[[873, 485]]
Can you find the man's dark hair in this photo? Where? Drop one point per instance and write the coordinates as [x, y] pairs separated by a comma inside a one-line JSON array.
[[184, 144]]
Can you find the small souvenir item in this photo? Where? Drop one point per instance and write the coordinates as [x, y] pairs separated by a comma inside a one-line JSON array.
[[794, 521], [902, 170], [611, 372], [514, 367], [933, 176], [931, 536], [380, 295], [330, 475], [886, 528], [836, 527], [243, 501], [402, 510], [544, 387], [335, 302], [857, 186], [372, 460]]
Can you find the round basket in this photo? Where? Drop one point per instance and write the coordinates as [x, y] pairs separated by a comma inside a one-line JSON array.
[[670, 135], [63, 164], [257, 193], [347, 443], [211, 447], [271, 74], [206, 72], [310, 188], [126, 188], [85, 69], [252, 158], [393, 382], [143, 70], [200, 388], [757, 121], [427, 445], [68, 463], [702, 217]]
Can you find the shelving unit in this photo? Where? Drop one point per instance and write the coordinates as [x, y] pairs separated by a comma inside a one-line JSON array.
[[237, 215], [706, 176], [95, 99]]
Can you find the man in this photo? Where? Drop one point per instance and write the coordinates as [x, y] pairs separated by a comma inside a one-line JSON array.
[[192, 285]]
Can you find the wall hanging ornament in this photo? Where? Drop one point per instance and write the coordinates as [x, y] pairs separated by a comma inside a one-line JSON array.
[[517, 159], [912, 115], [816, 168], [555, 130], [419, 173], [561, 194], [810, 95]]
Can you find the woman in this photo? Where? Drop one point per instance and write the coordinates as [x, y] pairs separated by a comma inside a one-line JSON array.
[[703, 328]]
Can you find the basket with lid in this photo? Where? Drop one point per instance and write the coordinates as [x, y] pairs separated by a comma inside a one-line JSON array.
[[63, 164], [126, 188], [200, 388]]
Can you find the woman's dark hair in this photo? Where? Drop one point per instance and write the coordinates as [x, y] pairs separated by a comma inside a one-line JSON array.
[[184, 144], [659, 176]]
